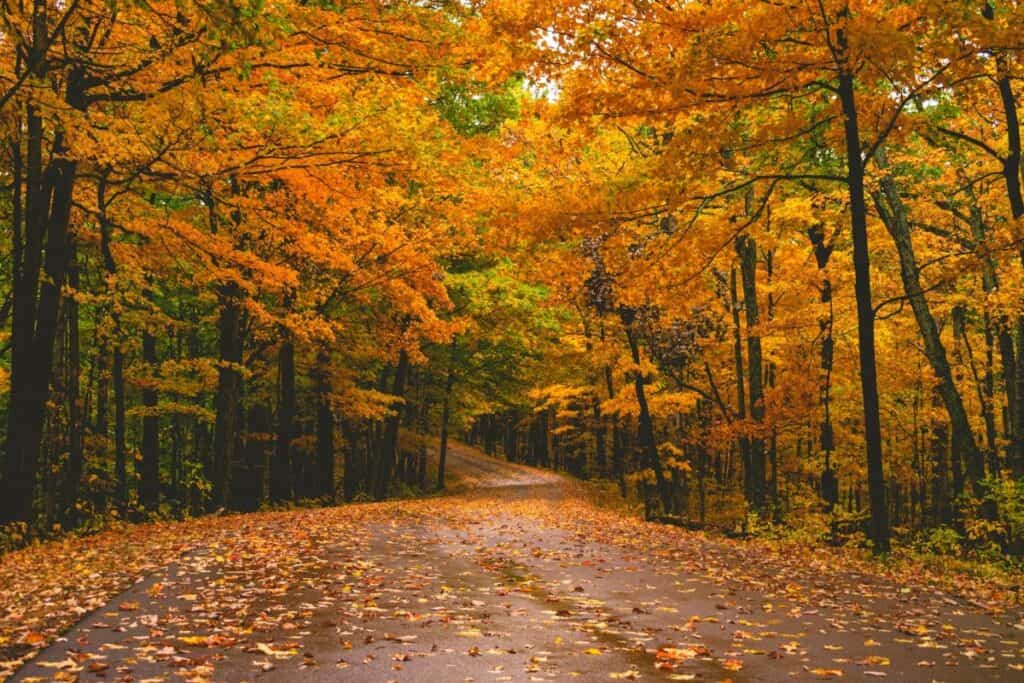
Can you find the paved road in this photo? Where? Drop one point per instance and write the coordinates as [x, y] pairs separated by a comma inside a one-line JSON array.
[[478, 588]]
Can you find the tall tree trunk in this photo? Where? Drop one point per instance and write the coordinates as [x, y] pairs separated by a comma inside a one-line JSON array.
[[549, 455], [101, 419], [741, 403], [879, 526], [117, 363], [284, 468], [1011, 172], [996, 336], [149, 489], [247, 490], [226, 402], [600, 434], [446, 411], [829, 482], [177, 460], [894, 216], [76, 451], [352, 462], [389, 453], [988, 397], [12, 454], [324, 425], [47, 212], [746, 250], [422, 423], [120, 445], [941, 508], [1013, 158], [200, 433], [177, 434], [618, 454], [18, 484], [648, 445]]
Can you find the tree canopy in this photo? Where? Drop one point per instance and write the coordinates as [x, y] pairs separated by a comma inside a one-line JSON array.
[[752, 263]]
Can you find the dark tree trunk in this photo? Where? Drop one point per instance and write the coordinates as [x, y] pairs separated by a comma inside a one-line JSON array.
[[988, 397], [149, 488], [1011, 171], [826, 439], [47, 212], [177, 435], [324, 425], [117, 363], [423, 419], [177, 460], [226, 402], [351, 477], [746, 250], [199, 433], [941, 508], [995, 334], [446, 411], [549, 456], [284, 474], [618, 454], [770, 370], [648, 446], [543, 442], [600, 434], [120, 445], [879, 526], [894, 216], [741, 403], [76, 451], [247, 489], [1012, 160], [18, 484], [487, 427], [389, 453], [1017, 464], [100, 422], [1008, 364]]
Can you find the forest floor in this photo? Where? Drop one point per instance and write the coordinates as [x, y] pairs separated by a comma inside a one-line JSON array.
[[516, 576]]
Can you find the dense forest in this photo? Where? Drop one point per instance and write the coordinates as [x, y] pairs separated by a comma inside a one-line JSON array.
[[753, 264]]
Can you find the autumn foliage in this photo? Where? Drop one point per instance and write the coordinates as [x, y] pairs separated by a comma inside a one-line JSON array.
[[757, 264]]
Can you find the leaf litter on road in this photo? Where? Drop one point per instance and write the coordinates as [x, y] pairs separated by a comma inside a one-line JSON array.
[[536, 583]]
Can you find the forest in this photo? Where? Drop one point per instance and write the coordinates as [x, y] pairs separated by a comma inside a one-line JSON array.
[[756, 266], [756, 263], [411, 319]]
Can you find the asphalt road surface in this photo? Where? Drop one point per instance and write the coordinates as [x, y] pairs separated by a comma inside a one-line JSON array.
[[504, 596]]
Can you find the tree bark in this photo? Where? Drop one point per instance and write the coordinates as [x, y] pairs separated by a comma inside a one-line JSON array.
[[149, 490], [1011, 172], [120, 445], [446, 411], [389, 453], [228, 393], [324, 425], [284, 473], [76, 454], [746, 250], [894, 216], [47, 211], [600, 434], [941, 508], [648, 445], [618, 455], [879, 526], [741, 402]]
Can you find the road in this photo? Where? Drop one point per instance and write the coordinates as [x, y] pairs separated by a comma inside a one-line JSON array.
[[515, 579]]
